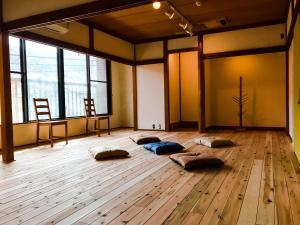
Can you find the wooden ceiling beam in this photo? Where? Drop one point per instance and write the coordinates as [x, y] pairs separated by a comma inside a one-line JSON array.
[[79, 12]]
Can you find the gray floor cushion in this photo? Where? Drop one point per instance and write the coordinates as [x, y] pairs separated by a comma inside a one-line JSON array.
[[144, 139], [107, 152], [213, 142], [196, 160]]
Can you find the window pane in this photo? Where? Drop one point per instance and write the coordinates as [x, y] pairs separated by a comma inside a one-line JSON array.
[[99, 94], [98, 69], [14, 50], [16, 96], [75, 83], [42, 76]]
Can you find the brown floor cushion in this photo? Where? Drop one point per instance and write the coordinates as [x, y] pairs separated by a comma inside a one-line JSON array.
[[144, 139], [213, 142], [195, 160], [104, 152]]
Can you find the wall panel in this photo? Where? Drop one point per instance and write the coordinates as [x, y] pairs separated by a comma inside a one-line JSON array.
[[152, 50], [150, 100], [181, 43]]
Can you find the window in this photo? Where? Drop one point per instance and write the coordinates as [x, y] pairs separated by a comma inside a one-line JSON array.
[[63, 76], [75, 83], [99, 84], [42, 78], [16, 79]]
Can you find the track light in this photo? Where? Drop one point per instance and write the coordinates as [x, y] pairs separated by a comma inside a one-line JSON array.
[[190, 32], [184, 26], [198, 3], [156, 5], [170, 15]]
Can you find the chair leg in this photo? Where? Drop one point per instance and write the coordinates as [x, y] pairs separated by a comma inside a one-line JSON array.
[[98, 128], [108, 126], [51, 135], [37, 134], [66, 133], [87, 127]]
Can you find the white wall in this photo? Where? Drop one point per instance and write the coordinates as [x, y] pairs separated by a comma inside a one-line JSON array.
[[181, 43], [268, 36], [150, 96], [152, 50]]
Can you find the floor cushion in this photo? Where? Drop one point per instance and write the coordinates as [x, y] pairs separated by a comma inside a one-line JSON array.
[[105, 152], [213, 142], [164, 147], [144, 139], [196, 160]]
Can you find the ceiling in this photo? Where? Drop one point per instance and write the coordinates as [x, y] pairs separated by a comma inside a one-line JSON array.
[[143, 22]]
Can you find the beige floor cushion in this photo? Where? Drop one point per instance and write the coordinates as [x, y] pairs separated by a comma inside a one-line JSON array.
[[213, 142], [144, 139], [106, 152], [196, 160]]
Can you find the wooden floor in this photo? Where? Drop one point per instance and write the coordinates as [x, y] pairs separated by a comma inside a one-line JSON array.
[[64, 185]]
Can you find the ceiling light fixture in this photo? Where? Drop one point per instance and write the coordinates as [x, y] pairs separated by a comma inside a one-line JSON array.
[[156, 5], [198, 3], [170, 15], [183, 26], [190, 32]]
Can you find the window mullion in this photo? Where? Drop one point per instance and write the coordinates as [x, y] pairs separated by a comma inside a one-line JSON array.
[[61, 83], [109, 87], [24, 80]]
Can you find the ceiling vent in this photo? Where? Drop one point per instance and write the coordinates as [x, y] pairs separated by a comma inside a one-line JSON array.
[[61, 28], [211, 24]]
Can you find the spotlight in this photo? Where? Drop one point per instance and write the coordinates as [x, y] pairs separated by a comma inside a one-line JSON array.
[[198, 3], [170, 15], [190, 32], [184, 26], [156, 5]]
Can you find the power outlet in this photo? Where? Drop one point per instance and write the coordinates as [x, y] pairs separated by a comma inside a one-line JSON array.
[[153, 126], [159, 126]]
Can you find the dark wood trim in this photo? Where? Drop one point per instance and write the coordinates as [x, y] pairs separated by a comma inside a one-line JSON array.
[[184, 124], [180, 92], [135, 108], [201, 75], [78, 12], [247, 128], [6, 104], [183, 50], [224, 29], [166, 87], [253, 51], [134, 89], [91, 38], [1, 14], [295, 13], [149, 61], [62, 44], [287, 92], [105, 30]]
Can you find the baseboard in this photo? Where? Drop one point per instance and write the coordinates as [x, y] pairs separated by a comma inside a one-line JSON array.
[[184, 124], [247, 127]]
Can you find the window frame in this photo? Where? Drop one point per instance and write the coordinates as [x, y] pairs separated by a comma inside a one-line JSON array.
[[61, 82]]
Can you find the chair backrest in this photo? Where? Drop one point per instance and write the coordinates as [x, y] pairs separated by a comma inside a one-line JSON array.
[[89, 106], [42, 109]]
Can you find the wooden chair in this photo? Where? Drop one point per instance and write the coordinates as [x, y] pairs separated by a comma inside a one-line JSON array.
[[91, 115], [42, 109]]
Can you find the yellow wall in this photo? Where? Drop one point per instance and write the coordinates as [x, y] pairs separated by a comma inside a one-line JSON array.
[[181, 43], [259, 37], [152, 50], [72, 36], [264, 82], [297, 87], [189, 87], [174, 88], [16, 9], [112, 45]]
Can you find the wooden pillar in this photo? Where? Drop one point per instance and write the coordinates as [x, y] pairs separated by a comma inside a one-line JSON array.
[[201, 72], [134, 85], [166, 86], [6, 106]]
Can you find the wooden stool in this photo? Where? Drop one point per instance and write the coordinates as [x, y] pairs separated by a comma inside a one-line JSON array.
[[42, 109], [91, 115]]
